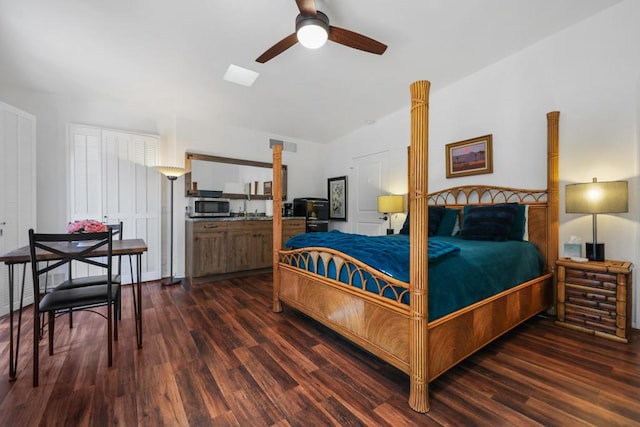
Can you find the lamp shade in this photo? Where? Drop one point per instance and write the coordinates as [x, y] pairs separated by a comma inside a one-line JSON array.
[[597, 197], [391, 204], [171, 171]]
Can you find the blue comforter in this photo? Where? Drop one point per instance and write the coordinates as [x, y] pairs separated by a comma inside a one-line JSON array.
[[461, 272], [388, 254]]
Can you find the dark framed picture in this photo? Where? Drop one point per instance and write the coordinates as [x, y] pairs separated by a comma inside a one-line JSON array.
[[470, 157], [337, 190], [267, 188]]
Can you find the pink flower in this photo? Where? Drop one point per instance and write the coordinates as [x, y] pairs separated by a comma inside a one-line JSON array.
[[86, 226]]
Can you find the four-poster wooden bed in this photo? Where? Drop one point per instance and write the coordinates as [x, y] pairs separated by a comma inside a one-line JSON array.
[[399, 333]]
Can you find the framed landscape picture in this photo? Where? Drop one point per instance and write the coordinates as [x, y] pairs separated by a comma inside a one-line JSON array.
[[470, 157], [337, 191]]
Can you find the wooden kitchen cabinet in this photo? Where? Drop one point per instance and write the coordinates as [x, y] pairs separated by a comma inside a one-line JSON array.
[[263, 255], [250, 245], [232, 247], [292, 227], [205, 248]]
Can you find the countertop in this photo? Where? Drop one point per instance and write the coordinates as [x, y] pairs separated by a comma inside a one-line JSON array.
[[253, 217]]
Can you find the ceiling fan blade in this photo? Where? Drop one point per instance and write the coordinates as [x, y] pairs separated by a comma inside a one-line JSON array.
[[307, 7], [356, 41], [278, 48]]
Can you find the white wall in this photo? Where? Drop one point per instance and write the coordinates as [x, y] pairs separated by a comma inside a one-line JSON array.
[[590, 73], [390, 135]]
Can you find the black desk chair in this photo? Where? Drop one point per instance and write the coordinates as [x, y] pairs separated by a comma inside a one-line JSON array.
[[67, 248]]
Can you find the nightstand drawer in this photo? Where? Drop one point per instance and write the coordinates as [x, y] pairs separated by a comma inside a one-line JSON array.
[[601, 320], [590, 296], [591, 279]]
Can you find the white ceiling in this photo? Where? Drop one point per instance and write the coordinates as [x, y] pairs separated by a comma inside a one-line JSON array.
[[168, 57]]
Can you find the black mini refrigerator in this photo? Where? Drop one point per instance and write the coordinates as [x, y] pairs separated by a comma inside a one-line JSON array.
[[315, 210]]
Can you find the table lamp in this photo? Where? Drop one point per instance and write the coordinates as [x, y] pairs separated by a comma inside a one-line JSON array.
[[596, 198], [389, 205], [172, 173]]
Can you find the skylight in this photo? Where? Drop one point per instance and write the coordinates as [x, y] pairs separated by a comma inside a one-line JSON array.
[[240, 75]]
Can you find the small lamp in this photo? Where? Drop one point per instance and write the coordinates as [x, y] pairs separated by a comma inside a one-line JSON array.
[[596, 198], [389, 205], [172, 173]]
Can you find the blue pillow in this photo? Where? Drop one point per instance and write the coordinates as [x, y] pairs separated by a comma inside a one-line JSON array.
[[448, 222], [405, 226], [436, 214], [489, 222], [435, 217], [519, 223], [518, 229]]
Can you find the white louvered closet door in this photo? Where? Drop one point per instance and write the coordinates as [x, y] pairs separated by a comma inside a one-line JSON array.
[[85, 173], [146, 204], [112, 180], [85, 178], [17, 195]]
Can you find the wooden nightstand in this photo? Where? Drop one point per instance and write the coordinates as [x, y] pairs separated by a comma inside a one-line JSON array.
[[595, 297]]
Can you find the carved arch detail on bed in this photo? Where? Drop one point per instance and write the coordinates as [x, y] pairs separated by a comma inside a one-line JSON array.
[[360, 278], [484, 194]]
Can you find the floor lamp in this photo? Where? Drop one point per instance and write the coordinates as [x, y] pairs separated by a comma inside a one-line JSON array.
[[172, 173]]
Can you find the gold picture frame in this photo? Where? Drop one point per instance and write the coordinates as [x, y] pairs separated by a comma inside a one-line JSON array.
[[470, 157]]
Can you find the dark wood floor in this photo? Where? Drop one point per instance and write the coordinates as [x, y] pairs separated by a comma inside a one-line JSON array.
[[216, 355]]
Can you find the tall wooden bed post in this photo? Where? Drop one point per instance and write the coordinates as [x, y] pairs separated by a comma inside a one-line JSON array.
[[553, 198], [418, 238], [277, 223]]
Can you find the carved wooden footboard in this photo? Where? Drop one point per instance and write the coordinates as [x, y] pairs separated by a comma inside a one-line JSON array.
[[376, 323], [381, 325]]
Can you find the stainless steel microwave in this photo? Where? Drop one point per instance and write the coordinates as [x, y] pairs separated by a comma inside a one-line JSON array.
[[208, 207]]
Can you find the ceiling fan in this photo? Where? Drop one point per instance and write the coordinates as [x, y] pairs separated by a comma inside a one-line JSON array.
[[313, 30]]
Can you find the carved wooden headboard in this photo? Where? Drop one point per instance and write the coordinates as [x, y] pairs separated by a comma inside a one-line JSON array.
[[475, 195]]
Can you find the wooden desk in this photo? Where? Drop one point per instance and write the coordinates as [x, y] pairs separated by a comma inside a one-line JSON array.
[[21, 256]]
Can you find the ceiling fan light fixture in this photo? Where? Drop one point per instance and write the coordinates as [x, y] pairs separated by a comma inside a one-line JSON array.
[[312, 31]]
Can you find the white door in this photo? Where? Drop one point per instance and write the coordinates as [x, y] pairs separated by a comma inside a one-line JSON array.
[[85, 173], [371, 175], [17, 195], [112, 180], [146, 204], [118, 172]]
